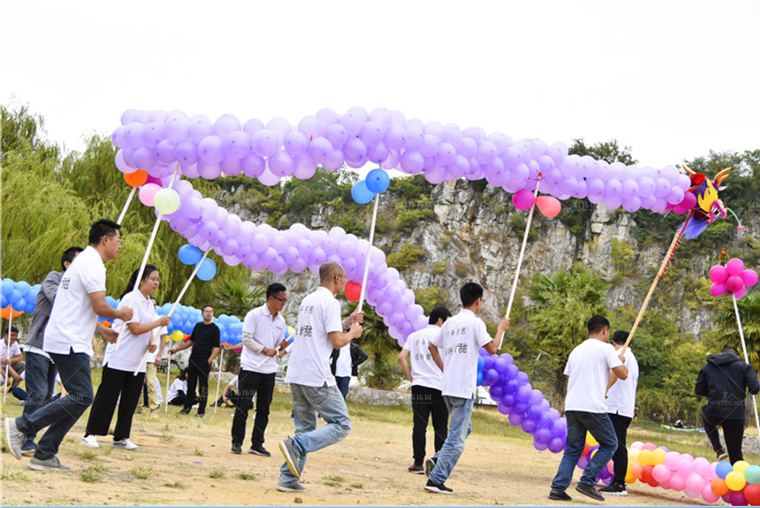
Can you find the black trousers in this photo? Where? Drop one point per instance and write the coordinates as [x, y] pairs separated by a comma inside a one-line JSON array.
[[620, 458], [427, 401], [179, 400], [733, 433], [197, 374], [248, 384], [115, 383]]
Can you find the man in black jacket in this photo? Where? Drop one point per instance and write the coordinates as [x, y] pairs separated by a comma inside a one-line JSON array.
[[724, 379]]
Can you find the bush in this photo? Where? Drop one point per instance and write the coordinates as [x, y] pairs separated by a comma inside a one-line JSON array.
[[407, 256]]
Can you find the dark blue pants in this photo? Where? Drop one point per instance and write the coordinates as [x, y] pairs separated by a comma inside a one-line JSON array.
[[40, 383], [599, 426], [343, 383], [61, 414]]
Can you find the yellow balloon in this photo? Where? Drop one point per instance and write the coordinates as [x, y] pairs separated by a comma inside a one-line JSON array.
[[658, 457], [629, 478], [590, 440], [740, 466], [735, 481], [645, 457], [177, 335], [633, 456]]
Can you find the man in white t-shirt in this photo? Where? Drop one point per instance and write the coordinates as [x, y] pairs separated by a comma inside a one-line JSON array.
[[312, 385], [10, 356], [621, 401], [81, 298], [588, 369], [427, 383], [459, 342], [263, 331]]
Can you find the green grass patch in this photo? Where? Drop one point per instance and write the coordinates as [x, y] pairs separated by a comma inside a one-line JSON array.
[[174, 485], [86, 453], [199, 453], [357, 485], [142, 472], [333, 481], [216, 473], [13, 474], [91, 475], [167, 438], [246, 476]]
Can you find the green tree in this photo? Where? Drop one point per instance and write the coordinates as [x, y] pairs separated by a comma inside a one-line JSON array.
[[382, 371], [235, 298], [749, 312]]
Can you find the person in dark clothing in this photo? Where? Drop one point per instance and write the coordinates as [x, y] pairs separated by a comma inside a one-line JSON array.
[[358, 356], [725, 379], [205, 343]]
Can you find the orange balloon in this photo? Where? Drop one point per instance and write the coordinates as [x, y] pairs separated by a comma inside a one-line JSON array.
[[107, 324], [137, 178], [6, 312], [636, 471], [549, 206], [719, 487]]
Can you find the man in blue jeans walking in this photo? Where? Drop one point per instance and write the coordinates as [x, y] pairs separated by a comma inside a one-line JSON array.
[[588, 368], [459, 341], [81, 298], [312, 385]]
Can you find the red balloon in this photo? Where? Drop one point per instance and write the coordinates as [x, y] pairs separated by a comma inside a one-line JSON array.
[[586, 449], [549, 206], [353, 291], [752, 494], [646, 474]]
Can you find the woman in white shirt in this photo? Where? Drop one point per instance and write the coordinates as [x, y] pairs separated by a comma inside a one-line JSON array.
[[120, 365]]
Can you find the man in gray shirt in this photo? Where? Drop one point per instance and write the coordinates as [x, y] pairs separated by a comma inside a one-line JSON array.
[[40, 370]]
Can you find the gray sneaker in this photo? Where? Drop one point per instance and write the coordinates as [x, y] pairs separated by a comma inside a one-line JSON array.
[[52, 464], [13, 437], [291, 487], [288, 450]]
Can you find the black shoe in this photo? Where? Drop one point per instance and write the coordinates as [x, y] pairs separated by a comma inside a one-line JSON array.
[[184, 411], [614, 489], [429, 465], [559, 495], [259, 450], [236, 449], [438, 488], [590, 491], [416, 469], [200, 415]]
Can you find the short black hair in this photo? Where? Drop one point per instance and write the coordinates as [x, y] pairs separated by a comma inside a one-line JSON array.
[[101, 228], [619, 337], [596, 324], [732, 350], [275, 288], [69, 255], [204, 307], [470, 293], [439, 313], [13, 329]]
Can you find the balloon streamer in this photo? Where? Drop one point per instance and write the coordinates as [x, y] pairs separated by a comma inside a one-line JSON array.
[[145, 261], [746, 356]]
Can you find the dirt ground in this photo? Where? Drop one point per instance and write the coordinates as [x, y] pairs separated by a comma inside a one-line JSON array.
[[186, 461]]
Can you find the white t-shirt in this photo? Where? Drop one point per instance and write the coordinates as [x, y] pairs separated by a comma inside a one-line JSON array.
[[72, 319], [15, 350], [132, 347], [621, 399], [425, 372], [318, 315], [459, 341], [267, 331], [174, 389], [158, 333], [343, 363], [588, 367]]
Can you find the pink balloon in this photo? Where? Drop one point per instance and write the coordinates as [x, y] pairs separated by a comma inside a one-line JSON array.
[[661, 473], [695, 483], [708, 495], [689, 201], [749, 277], [718, 273], [523, 199], [718, 289], [148, 192], [741, 292], [671, 460], [734, 283], [702, 467], [735, 266]]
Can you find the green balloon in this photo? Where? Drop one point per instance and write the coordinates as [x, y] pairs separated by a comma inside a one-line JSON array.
[[752, 475], [166, 201]]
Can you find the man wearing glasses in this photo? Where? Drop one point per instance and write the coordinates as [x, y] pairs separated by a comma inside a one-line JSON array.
[[80, 299], [312, 385], [205, 343], [263, 331]]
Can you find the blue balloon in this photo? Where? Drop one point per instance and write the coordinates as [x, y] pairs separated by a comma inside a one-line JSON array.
[[15, 297], [378, 181], [7, 287], [20, 305], [189, 254], [481, 363], [207, 270], [23, 287], [480, 378], [29, 307], [723, 468], [4, 302], [361, 193]]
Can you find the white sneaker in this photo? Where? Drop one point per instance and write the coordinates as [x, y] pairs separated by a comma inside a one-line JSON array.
[[124, 444], [90, 441]]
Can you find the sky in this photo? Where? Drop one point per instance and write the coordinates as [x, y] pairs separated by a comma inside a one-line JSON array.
[[671, 79]]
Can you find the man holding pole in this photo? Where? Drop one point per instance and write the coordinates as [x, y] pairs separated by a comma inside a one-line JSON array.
[[312, 385], [725, 379], [81, 298], [205, 343], [263, 330]]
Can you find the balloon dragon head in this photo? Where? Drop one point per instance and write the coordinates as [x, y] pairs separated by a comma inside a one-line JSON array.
[[708, 205]]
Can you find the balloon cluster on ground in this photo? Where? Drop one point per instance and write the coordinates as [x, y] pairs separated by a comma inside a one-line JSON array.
[[732, 278], [524, 405], [592, 445], [17, 296], [738, 485], [156, 140]]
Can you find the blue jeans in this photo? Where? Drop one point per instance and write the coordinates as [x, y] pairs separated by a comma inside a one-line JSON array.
[[599, 426], [343, 382], [40, 383], [308, 402], [460, 427], [63, 413]]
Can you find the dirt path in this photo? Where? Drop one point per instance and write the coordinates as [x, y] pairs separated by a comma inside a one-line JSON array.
[[187, 462]]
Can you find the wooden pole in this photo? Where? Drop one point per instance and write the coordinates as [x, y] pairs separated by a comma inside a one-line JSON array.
[[746, 357]]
